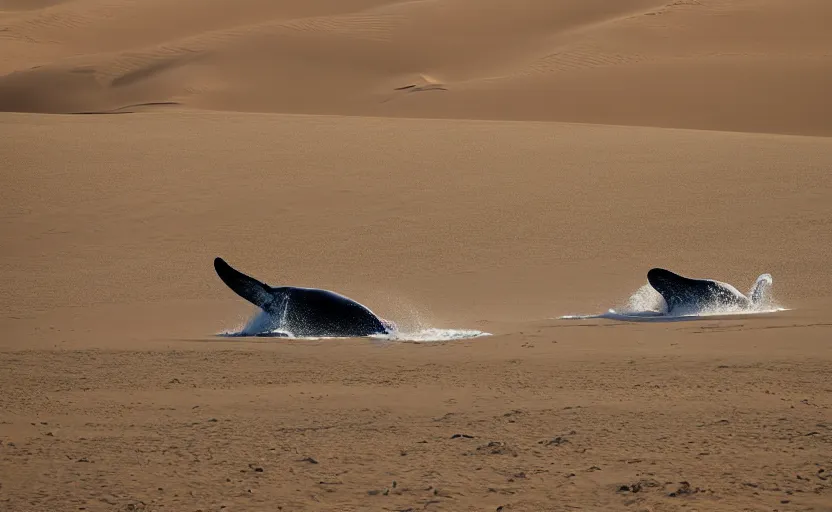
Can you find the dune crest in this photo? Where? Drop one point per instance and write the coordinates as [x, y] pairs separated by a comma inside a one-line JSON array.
[[710, 64]]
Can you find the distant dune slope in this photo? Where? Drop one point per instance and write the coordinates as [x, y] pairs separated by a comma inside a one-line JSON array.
[[745, 65]]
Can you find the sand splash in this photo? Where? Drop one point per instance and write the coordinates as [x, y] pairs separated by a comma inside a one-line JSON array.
[[647, 305], [412, 330]]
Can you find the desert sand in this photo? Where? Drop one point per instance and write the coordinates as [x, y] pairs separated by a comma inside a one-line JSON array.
[[453, 164]]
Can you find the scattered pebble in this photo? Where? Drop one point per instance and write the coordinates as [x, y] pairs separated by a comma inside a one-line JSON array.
[[497, 448], [684, 488], [109, 499], [557, 441]]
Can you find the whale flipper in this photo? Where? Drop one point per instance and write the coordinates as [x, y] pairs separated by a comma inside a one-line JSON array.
[[245, 286], [679, 291]]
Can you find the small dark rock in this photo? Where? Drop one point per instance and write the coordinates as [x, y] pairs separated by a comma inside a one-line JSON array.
[[309, 460], [684, 488], [634, 488], [466, 436], [557, 441], [374, 492], [497, 448]]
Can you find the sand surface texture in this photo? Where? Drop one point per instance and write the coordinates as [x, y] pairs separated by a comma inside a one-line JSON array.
[[425, 159]]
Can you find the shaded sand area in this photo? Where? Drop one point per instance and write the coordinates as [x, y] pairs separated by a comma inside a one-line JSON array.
[[118, 394], [710, 156]]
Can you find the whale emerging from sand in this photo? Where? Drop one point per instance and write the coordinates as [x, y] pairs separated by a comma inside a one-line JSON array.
[[305, 311], [681, 292]]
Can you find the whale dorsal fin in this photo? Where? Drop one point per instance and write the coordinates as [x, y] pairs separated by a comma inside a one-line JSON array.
[[675, 289], [662, 277], [246, 287]]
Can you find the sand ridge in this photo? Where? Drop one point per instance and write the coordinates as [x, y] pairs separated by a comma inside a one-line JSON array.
[[718, 64]]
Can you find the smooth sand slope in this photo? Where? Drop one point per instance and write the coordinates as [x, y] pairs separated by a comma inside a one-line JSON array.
[[117, 395], [745, 65], [111, 223]]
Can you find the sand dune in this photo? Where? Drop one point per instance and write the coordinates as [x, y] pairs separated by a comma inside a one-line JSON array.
[[729, 65], [458, 218], [118, 395]]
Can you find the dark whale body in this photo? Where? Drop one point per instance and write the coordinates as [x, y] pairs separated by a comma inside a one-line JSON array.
[[304, 311], [684, 292]]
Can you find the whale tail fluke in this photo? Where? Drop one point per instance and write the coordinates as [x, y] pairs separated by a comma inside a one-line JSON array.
[[760, 292], [245, 286]]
